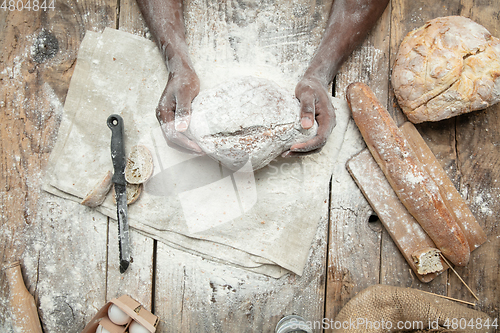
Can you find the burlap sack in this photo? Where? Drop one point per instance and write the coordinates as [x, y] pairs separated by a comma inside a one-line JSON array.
[[382, 308]]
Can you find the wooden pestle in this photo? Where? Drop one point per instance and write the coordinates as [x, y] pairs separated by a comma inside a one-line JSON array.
[[22, 304]]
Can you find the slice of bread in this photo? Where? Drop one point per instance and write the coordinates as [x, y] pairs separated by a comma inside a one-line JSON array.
[[96, 196], [133, 193], [427, 260], [139, 165]]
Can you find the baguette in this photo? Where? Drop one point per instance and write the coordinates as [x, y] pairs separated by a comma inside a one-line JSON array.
[[412, 184], [404, 230], [456, 204]]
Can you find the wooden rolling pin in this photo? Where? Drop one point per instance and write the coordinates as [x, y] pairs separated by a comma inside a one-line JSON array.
[[409, 179], [23, 309]]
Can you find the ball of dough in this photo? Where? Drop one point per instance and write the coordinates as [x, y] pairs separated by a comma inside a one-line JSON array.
[[247, 119], [448, 67]]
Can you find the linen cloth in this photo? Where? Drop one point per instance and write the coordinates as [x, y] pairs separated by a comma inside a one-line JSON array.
[[263, 221]]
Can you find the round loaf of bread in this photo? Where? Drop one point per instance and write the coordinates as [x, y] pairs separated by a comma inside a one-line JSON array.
[[448, 67], [247, 119]]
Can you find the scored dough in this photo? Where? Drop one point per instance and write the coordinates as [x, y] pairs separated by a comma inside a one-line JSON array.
[[449, 66], [246, 118]]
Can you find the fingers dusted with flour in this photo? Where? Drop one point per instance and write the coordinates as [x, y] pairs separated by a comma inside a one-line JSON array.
[[416, 189], [348, 24], [174, 109], [166, 21], [315, 106]]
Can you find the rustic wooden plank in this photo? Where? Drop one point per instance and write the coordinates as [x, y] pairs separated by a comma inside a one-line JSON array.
[[197, 295], [369, 62], [67, 254], [354, 246], [38, 55], [27, 128], [353, 252], [131, 20], [478, 163]]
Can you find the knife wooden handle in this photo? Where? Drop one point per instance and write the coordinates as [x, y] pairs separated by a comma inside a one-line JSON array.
[[23, 310]]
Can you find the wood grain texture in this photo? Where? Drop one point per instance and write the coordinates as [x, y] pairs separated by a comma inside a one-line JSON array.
[[353, 252], [131, 20], [351, 266], [478, 139], [66, 254], [137, 281], [196, 295], [38, 55], [68, 251]]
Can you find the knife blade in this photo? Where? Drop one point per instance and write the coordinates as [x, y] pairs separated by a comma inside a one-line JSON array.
[[116, 124]]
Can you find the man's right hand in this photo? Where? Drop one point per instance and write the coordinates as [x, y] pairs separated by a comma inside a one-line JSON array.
[[174, 109], [165, 20]]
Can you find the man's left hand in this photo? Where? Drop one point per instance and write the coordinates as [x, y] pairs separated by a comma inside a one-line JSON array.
[[315, 104]]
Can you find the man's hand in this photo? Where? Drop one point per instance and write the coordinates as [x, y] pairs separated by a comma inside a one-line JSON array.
[[174, 109], [165, 19], [315, 104], [348, 24]]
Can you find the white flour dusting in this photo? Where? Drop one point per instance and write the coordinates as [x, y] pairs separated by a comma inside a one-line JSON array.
[[269, 39]]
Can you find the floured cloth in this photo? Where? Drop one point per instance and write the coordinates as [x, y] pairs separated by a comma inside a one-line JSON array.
[[263, 221]]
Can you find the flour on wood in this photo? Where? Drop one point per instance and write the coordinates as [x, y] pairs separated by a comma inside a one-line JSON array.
[[270, 39]]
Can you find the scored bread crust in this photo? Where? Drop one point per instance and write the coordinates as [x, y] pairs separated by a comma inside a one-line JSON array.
[[412, 184], [447, 67]]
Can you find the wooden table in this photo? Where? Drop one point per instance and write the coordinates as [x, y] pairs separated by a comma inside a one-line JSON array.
[[67, 263]]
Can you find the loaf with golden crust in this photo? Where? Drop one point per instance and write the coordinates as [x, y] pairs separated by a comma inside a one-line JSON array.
[[412, 184], [447, 67]]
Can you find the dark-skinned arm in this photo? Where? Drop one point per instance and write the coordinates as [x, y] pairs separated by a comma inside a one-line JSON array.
[[348, 24], [166, 22]]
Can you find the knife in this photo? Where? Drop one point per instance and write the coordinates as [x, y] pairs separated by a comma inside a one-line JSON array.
[[115, 123]]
